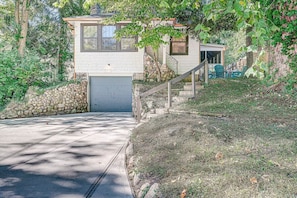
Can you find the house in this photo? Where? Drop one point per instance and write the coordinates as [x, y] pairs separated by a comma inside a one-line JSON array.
[[111, 65]]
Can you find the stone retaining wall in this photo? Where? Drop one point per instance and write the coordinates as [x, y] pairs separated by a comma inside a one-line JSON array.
[[151, 72], [71, 98]]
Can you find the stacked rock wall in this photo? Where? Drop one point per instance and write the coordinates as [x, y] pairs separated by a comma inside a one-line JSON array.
[[151, 71], [71, 98]]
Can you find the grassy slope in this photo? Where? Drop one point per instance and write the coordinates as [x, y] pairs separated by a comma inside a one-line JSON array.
[[249, 152]]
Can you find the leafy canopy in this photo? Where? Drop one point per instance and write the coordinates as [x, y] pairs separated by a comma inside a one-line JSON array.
[[272, 21]]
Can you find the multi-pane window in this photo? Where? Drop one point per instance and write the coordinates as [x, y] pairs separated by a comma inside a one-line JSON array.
[[109, 43], [102, 38], [90, 38], [179, 46]]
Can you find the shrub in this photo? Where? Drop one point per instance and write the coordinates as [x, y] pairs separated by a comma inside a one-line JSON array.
[[18, 73]]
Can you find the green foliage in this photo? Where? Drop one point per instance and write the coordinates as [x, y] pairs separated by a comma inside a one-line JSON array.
[[234, 40], [247, 13], [48, 34], [270, 20], [284, 15], [259, 69], [17, 74], [150, 35]]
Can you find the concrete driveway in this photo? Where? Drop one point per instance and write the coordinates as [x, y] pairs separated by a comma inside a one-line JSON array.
[[69, 156]]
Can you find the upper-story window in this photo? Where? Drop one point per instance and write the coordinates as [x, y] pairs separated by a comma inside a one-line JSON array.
[[109, 43], [101, 38], [90, 38], [179, 46]]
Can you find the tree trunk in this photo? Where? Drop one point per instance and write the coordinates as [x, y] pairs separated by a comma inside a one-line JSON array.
[[159, 75], [249, 55], [23, 24]]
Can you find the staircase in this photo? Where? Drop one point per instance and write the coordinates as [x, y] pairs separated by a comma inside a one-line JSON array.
[[153, 106], [187, 90], [180, 96]]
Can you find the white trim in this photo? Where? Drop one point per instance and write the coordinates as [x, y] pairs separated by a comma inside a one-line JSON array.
[[110, 74], [212, 47]]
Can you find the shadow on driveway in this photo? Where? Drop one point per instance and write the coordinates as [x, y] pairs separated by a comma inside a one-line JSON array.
[[65, 156]]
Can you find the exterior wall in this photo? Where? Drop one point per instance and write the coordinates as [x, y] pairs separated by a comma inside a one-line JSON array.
[[106, 63], [187, 62]]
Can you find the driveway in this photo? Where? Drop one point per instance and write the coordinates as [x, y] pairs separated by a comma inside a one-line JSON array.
[[69, 156]]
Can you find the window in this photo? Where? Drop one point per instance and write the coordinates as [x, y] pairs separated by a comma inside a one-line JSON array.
[[213, 57], [90, 38], [109, 43], [101, 38], [179, 46]]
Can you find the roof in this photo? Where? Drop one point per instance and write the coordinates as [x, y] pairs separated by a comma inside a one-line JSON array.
[[212, 47], [87, 17]]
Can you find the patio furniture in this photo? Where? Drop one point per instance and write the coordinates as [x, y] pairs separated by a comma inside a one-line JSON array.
[[219, 69]]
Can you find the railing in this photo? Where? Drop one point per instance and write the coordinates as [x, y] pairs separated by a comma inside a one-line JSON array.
[[169, 84], [172, 63]]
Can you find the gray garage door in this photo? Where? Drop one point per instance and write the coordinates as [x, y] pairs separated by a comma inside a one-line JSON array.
[[110, 94]]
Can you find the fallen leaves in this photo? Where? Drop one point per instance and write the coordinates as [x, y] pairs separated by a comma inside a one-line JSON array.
[[219, 156], [183, 194], [253, 180]]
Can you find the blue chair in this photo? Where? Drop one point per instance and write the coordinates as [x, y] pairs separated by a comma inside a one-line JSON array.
[[219, 69]]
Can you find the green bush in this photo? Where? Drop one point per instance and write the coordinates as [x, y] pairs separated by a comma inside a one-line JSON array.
[[17, 74]]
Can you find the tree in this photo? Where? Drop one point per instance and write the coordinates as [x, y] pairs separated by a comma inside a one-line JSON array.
[[48, 33], [266, 21], [22, 19], [34, 44], [248, 16], [6, 16]]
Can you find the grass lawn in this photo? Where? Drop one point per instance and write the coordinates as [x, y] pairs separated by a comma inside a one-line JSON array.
[[239, 141]]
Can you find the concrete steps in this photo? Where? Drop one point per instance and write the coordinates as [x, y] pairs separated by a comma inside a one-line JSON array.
[[187, 90], [180, 96]]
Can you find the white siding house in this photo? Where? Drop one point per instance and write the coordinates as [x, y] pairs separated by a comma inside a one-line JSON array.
[[111, 65], [105, 63]]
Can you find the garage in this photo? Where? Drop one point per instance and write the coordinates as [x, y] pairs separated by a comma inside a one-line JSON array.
[[110, 93]]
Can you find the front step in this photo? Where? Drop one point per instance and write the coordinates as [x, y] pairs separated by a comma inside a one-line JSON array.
[[187, 90], [178, 97], [156, 112], [187, 94], [188, 86]]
